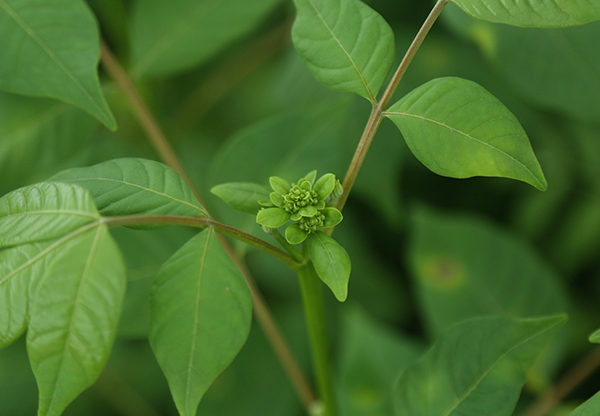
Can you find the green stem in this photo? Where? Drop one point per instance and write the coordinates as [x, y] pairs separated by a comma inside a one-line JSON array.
[[203, 223], [314, 311], [378, 109], [287, 246]]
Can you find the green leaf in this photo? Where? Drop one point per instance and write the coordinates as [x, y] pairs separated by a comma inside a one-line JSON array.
[[243, 196], [201, 315], [279, 185], [272, 217], [168, 37], [595, 337], [44, 211], [294, 235], [40, 57], [331, 262], [18, 274], [135, 187], [325, 185], [476, 367], [347, 45], [371, 358], [458, 129], [589, 407], [74, 316], [464, 267], [333, 216], [39, 137], [534, 13]]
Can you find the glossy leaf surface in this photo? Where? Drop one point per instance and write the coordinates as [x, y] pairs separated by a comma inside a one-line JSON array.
[[135, 187], [534, 13], [347, 45], [458, 129], [44, 211], [476, 367], [168, 37], [40, 57], [74, 317], [331, 263], [243, 196], [201, 313]]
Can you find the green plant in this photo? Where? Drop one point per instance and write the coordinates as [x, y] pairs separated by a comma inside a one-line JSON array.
[[490, 305]]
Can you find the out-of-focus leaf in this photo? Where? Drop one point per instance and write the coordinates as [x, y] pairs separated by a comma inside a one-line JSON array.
[[595, 337], [168, 37], [557, 69], [588, 408], [201, 312], [347, 45], [458, 129], [44, 211], [476, 367], [73, 318], [39, 137], [371, 358], [464, 267], [243, 196], [534, 13], [40, 57], [135, 187], [331, 262]]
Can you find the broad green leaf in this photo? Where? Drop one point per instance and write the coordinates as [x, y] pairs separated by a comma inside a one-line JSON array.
[[557, 69], [201, 312], [371, 357], [534, 13], [168, 37], [458, 129], [589, 408], [272, 217], [243, 196], [595, 337], [476, 367], [347, 45], [39, 137], [325, 185], [44, 211], [331, 262], [52, 50], [18, 273], [74, 314], [464, 267], [135, 187]]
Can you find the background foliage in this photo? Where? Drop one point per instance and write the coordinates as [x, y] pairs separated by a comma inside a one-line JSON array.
[[238, 104]]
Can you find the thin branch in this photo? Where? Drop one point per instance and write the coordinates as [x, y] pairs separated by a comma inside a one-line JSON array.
[[199, 222], [573, 378], [261, 311], [377, 112]]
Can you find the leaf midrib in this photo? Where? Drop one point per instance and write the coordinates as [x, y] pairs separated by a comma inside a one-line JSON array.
[[426, 119], [35, 38], [491, 367], [348, 55]]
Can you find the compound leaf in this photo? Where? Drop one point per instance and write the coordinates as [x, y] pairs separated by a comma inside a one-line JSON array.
[[476, 367], [331, 262], [533, 13], [347, 45], [458, 129], [51, 49], [133, 186], [74, 313], [201, 315], [44, 211]]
